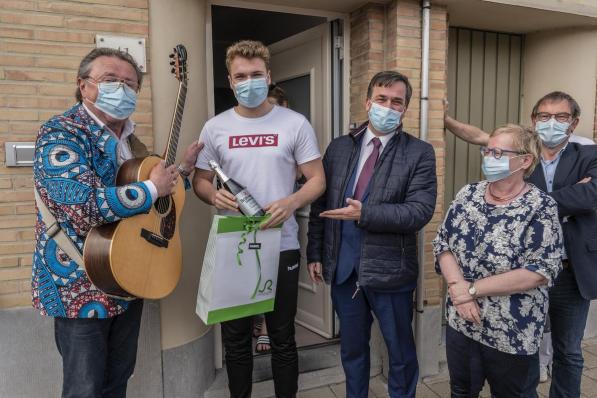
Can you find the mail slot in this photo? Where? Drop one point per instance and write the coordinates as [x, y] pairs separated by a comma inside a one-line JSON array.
[[19, 153]]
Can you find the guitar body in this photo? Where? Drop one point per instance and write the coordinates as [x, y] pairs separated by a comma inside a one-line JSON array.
[[139, 256]]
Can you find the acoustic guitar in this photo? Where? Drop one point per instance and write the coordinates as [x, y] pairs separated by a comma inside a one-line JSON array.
[[141, 256]]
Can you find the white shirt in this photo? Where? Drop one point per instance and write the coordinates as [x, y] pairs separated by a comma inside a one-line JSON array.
[[261, 154], [581, 140], [123, 148], [367, 148]]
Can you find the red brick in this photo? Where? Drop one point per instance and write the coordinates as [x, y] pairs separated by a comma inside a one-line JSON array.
[[28, 18], [15, 300], [25, 209], [9, 261], [34, 75], [16, 33]]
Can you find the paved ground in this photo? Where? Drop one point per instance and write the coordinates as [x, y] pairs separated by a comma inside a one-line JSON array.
[[438, 386]]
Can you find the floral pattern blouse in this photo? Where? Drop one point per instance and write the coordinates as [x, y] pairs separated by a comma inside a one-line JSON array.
[[491, 239]]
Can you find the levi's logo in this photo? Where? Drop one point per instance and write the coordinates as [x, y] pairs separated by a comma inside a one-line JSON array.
[[252, 141]]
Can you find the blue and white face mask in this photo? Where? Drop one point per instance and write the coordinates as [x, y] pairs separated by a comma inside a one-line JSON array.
[[552, 132], [385, 120], [252, 92], [495, 169], [115, 99]]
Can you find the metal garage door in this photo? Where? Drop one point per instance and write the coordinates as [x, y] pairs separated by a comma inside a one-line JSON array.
[[484, 80]]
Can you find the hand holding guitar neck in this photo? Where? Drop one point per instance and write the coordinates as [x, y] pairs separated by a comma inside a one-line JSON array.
[[164, 178]]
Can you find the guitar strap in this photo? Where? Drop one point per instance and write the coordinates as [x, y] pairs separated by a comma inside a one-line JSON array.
[[54, 231]]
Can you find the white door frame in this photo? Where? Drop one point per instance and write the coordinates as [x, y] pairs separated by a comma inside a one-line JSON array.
[[345, 117]]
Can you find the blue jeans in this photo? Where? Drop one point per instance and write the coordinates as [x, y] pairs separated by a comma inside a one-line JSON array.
[[98, 355], [470, 363], [568, 312], [394, 311]]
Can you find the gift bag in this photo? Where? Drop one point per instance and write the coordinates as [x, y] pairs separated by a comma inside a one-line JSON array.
[[240, 269]]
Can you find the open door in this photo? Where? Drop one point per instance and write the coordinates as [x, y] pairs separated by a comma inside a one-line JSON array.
[[300, 64]]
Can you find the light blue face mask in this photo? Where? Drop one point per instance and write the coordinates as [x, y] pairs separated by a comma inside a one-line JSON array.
[[115, 99], [497, 169], [552, 132], [252, 92], [384, 120]]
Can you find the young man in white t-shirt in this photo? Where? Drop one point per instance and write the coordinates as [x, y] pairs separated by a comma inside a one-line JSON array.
[[260, 145]]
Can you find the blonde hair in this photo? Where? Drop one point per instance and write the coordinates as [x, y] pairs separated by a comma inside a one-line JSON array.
[[525, 140], [247, 49]]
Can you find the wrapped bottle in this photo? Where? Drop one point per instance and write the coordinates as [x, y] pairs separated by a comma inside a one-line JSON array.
[[246, 202]]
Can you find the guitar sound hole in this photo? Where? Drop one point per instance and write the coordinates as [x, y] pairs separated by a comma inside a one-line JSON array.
[[162, 205]]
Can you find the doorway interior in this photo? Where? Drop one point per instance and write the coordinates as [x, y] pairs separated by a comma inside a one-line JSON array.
[[305, 64]]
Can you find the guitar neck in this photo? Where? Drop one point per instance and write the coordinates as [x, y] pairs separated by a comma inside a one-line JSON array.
[[172, 146]]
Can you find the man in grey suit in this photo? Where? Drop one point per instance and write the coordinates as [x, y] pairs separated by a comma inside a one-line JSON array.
[[569, 174]]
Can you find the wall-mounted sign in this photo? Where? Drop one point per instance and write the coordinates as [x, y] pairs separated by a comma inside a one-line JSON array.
[[131, 45]]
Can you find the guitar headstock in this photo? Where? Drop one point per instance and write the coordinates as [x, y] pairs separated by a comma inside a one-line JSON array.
[[179, 63]]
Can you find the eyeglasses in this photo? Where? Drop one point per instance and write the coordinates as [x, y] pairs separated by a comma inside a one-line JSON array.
[[561, 117], [497, 152], [111, 84]]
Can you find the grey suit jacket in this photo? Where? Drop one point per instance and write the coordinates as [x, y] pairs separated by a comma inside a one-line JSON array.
[[577, 206]]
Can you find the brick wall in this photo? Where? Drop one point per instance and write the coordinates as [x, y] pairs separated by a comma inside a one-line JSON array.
[[389, 37], [41, 45]]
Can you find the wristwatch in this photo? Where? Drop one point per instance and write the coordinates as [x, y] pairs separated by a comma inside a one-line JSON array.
[[182, 171], [472, 290]]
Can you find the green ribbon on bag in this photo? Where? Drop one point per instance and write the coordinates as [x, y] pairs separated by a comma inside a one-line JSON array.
[[251, 225]]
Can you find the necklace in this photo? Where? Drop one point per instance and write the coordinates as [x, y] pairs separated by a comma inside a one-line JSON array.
[[507, 197]]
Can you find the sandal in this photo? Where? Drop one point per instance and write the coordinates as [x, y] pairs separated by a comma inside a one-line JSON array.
[[262, 340], [257, 324]]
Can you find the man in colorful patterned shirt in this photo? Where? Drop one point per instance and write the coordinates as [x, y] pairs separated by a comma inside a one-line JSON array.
[[77, 156]]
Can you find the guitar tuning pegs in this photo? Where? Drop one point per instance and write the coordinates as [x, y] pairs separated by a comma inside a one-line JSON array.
[[171, 62], [171, 55], [173, 70]]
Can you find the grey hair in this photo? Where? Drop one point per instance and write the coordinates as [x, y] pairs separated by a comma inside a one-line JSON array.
[[86, 65]]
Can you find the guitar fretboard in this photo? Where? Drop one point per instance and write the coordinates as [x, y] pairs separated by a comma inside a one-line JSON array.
[[170, 155]]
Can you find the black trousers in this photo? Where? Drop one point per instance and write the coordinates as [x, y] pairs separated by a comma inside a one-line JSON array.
[[98, 355], [470, 363], [237, 336]]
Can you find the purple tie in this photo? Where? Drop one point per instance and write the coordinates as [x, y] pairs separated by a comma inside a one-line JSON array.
[[367, 170]]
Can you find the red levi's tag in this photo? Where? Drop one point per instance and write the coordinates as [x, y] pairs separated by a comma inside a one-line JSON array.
[[252, 141]]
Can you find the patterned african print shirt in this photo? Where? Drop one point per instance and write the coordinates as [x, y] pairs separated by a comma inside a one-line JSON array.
[[74, 170], [488, 240]]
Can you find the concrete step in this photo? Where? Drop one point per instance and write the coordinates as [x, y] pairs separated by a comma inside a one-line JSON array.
[[318, 366]]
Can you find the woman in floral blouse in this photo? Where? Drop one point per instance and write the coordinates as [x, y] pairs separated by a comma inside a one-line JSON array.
[[499, 249]]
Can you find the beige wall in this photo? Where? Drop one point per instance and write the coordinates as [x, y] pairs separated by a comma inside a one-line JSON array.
[[173, 22], [563, 60], [579, 7]]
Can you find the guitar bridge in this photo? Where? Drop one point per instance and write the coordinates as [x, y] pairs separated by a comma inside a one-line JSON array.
[[154, 239]]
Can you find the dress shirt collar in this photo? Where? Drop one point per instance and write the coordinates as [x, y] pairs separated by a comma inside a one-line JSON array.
[[383, 138]]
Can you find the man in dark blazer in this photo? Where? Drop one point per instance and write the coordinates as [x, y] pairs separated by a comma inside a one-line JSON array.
[[381, 190], [569, 174]]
